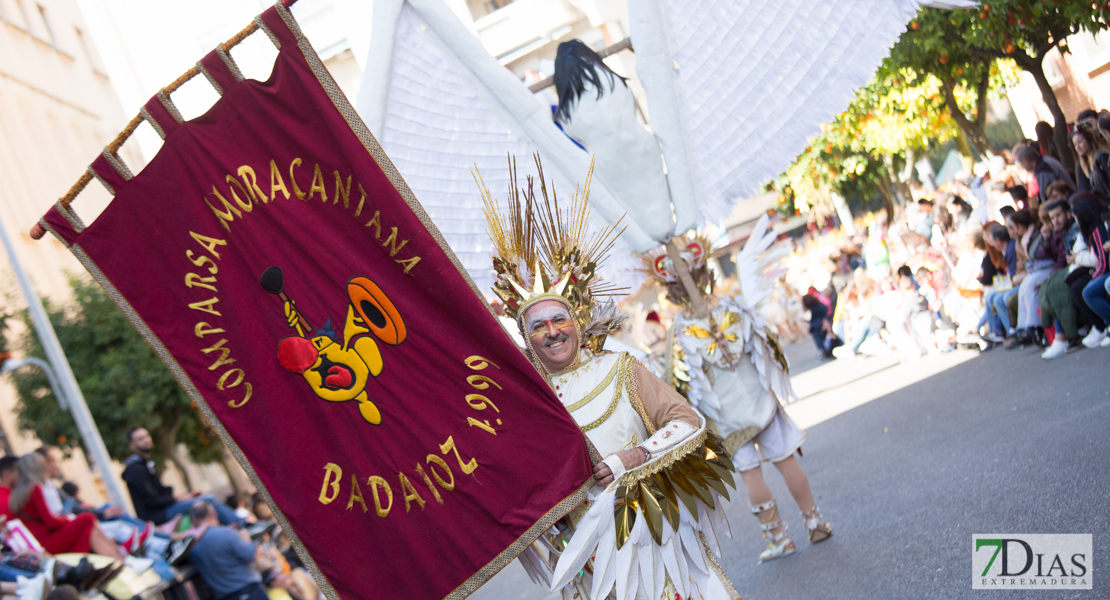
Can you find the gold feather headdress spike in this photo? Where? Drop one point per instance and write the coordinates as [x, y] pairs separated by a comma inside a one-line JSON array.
[[544, 251]]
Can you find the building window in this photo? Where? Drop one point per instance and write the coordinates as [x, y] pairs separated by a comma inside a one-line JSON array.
[[481, 8], [90, 52], [46, 27], [12, 13]]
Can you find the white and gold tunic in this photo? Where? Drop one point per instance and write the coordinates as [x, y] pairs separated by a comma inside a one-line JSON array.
[[619, 404]]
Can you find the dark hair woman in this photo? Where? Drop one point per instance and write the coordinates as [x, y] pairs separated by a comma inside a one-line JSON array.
[[578, 68], [1092, 162], [1090, 262], [1044, 140]]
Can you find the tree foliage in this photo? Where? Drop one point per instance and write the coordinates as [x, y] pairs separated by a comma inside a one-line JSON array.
[[859, 153], [926, 92], [124, 382], [941, 41]]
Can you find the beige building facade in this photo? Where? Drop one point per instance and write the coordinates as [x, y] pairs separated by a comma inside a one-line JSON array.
[[1080, 79], [58, 109]]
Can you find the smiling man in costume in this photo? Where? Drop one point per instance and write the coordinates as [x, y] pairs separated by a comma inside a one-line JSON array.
[[650, 525]]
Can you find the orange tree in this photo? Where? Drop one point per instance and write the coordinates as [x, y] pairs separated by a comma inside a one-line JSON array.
[[124, 383], [870, 147], [1022, 30], [966, 79]]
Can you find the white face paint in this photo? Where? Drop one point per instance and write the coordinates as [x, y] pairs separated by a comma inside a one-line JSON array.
[[552, 334], [538, 316]]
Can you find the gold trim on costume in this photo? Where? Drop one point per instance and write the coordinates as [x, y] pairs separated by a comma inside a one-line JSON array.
[[716, 567], [671, 457], [622, 376], [600, 388], [637, 403]]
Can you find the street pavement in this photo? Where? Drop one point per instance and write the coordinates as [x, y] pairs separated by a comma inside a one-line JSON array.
[[909, 460]]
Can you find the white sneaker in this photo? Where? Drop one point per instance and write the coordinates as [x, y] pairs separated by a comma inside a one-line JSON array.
[[1094, 338], [1105, 342], [1058, 348], [843, 352]]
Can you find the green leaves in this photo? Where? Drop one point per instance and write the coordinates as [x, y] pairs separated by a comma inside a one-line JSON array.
[[124, 382]]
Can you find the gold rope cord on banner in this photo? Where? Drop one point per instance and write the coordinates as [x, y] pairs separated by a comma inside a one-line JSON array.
[[37, 231]]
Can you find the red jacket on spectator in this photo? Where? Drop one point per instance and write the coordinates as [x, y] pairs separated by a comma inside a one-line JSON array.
[[57, 536]]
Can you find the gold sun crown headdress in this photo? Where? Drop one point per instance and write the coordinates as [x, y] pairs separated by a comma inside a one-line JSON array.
[[695, 249], [545, 252]]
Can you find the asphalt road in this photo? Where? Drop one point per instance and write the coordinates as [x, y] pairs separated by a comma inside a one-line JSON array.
[[1002, 442]]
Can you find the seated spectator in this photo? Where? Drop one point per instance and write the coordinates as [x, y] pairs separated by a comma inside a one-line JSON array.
[[961, 216], [1104, 126], [153, 501], [235, 502], [1044, 170], [1020, 197], [1034, 267], [992, 266], [818, 322], [260, 508], [1004, 284], [1088, 262], [1092, 171], [1060, 234], [130, 533], [50, 491], [57, 536], [1059, 191], [9, 476], [224, 557], [924, 227], [1045, 142], [279, 586], [910, 324]]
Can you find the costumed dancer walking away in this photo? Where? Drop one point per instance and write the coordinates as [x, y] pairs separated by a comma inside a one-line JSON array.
[[738, 375], [649, 529]]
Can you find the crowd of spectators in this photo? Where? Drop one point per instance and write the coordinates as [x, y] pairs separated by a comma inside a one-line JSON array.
[[236, 548], [1013, 256]]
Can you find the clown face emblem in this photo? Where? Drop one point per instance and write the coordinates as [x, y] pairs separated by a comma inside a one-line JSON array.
[[337, 370]]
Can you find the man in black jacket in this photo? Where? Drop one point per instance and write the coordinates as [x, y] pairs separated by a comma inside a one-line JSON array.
[[154, 501], [1044, 169]]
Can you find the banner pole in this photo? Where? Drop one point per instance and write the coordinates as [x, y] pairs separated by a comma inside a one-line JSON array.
[[94, 444]]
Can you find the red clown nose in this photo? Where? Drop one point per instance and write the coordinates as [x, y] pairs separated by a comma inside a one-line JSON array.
[[297, 354]]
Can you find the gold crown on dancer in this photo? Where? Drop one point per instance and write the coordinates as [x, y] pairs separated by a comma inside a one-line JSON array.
[[544, 252]]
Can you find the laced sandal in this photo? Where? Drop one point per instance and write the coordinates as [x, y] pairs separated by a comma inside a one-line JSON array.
[[819, 529], [780, 545]]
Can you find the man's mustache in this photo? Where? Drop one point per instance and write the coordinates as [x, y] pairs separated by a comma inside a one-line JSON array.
[[554, 340]]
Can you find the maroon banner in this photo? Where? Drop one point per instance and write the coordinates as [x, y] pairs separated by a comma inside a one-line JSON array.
[[277, 262]]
